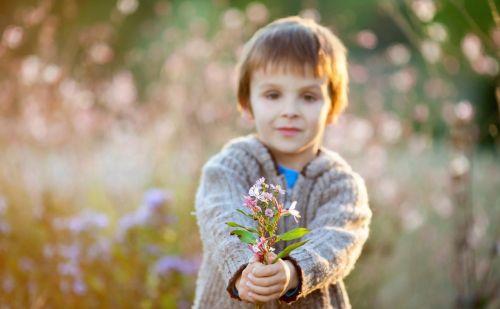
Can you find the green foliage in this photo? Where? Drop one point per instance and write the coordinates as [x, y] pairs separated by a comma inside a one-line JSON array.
[[293, 234], [244, 236], [245, 214], [232, 224], [289, 249]]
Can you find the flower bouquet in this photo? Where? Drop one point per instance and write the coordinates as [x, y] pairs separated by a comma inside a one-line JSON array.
[[262, 206]]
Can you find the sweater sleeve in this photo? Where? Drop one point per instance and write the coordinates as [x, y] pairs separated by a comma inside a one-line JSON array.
[[338, 232], [219, 194]]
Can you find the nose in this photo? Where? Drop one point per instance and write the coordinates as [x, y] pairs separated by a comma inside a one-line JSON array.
[[290, 109]]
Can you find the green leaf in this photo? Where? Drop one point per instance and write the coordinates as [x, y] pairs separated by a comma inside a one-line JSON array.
[[232, 224], [293, 234], [244, 213], [288, 249], [245, 236]]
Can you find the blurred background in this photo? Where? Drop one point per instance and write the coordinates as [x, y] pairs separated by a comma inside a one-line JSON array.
[[108, 110]]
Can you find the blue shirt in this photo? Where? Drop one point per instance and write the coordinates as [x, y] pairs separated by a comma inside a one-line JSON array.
[[291, 176]]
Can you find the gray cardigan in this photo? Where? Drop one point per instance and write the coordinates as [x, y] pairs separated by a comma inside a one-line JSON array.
[[332, 201]]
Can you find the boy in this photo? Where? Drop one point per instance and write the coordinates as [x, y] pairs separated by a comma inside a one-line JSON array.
[[292, 83]]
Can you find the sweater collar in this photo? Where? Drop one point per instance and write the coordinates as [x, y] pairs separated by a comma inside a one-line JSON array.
[[323, 162]]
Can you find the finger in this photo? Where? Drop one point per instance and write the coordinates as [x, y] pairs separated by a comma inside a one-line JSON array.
[[263, 299], [266, 281], [266, 291], [253, 259], [246, 298], [249, 268], [270, 257], [243, 291], [246, 271], [261, 270]]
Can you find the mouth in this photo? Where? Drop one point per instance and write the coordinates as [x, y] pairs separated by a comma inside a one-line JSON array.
[[288, 131]]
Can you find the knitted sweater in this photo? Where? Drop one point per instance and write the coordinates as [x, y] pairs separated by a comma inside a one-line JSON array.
[[331, 199]]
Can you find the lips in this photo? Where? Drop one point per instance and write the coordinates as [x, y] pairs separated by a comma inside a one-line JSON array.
[[288, 131]]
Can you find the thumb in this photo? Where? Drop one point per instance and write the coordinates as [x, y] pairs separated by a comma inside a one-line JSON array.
[[270, 257]]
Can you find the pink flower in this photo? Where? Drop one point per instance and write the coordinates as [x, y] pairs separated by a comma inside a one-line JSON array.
[[249, 202], [269, 213], [259, 248], [280, 208]]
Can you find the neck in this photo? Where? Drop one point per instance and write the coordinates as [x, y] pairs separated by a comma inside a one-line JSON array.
[[296, 161]]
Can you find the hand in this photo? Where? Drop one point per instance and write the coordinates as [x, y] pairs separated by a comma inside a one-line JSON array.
[[269, 282], [241, 283]]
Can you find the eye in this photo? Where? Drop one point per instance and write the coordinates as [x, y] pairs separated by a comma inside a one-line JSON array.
[[272, 95], [308, 97]]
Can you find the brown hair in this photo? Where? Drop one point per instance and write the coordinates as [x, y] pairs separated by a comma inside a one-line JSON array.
[[296, 44]]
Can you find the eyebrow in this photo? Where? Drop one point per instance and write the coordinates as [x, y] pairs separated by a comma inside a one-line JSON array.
[[315, 86]]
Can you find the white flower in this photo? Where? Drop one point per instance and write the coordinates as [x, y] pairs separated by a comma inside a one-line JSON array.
[[293, 212], [254, 191]]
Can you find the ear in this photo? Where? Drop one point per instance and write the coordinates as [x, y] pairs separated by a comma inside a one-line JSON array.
[[247, 115]]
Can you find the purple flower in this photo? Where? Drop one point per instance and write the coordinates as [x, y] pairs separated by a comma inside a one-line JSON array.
[[69, 269], [8, 284], [4, 227], [79, 287], [255, 190], [269, 212], [3, 205], [26, 264], [267, 196], [278, 189], [70, 252], [100, 249], [156, 198], [129, 222], [85, 221], [167, 264]]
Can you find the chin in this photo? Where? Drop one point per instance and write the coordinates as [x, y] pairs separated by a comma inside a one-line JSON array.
[[287, 148]]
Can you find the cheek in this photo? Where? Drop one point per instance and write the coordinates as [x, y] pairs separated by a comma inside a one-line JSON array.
[[261, 118], [263, 112], [317, 115]]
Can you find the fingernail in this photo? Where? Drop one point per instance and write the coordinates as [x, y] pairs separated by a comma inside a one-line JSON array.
[[248, 283]]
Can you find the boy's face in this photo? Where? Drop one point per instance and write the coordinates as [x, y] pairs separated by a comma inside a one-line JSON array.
[[290, 111]]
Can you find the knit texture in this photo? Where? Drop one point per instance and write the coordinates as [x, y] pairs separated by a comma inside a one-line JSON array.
[[332, 201]]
